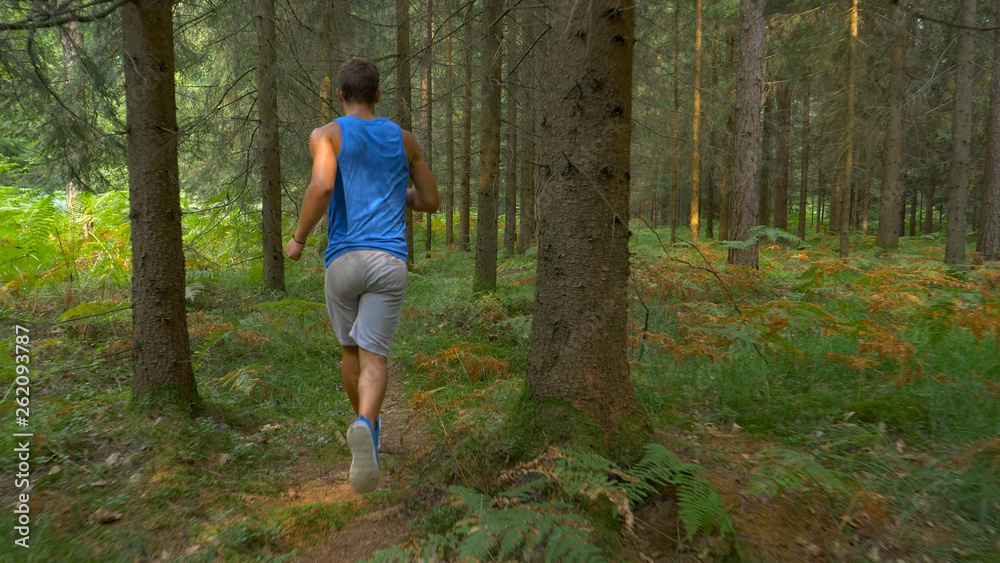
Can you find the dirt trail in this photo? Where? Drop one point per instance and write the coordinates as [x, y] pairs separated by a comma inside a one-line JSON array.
[[382, 527]]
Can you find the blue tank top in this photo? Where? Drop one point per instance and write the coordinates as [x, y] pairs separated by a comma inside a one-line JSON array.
[[369, 196]]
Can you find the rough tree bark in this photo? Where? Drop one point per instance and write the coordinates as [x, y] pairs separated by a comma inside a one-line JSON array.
[[511, 156], [749, 84], [161, 354], [427, 101], [847, 187], [988, 244], [270, 156], [958, 177], [449, 85], [767, 140], [784, 96], [891, 193], [804, 186], [404, 108], [725, 187], [526, 232], [674, 187], [465, 174], [485, 274], [695, 128], [578, 355]]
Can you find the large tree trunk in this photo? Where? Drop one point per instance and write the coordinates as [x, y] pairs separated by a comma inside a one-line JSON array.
[[427, 101], [958, 178], [695, 127], [848, 185], [511, 157], [161, 354], [485, 274], [988, 244], [270, 156], [804, 186], [784, 158], [891, 192], [449, 84], [404, 109], [465, 176], [578, 339], [749, 84]]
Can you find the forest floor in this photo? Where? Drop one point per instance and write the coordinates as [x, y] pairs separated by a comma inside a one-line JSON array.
[[849, 412]]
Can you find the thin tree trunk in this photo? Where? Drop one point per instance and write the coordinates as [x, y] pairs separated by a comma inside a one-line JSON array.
[[449, 85], [836, 196], [914, 206], [958, 178], [804, 186], [270, 160], [695, 127], [821, 206], [725, 188], [427, 101], [891, 193], [845, 199], [674, 187], [767, 140], [988, 243], [784, 156], [326, 87], [465, 176], [511, 157], [404, 109], [485, 275], [710, 207], [528, 156], [749, 84], [161, 353], [865, 199], [929, 196], [578, 339]]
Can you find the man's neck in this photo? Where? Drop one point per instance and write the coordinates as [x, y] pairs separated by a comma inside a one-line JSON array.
[[361, 111]]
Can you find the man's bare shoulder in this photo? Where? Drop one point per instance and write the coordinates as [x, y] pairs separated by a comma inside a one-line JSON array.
[[329, 134], [410, 144], [329, 131]]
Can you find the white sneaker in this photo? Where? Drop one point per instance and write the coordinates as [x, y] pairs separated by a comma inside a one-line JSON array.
[[364, 465]]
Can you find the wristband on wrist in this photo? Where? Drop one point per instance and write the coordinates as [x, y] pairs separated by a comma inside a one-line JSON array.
[[303, 243]]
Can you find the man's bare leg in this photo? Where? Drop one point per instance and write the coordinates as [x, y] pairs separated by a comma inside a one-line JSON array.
[[350, 370], [371, 384]]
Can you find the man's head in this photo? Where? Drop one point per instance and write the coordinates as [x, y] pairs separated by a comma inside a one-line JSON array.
[[357, 82]]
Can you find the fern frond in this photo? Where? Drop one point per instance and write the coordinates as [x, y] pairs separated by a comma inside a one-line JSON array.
[[784, 470]]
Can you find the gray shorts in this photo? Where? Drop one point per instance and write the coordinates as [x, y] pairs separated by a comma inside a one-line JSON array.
[[364, 298]]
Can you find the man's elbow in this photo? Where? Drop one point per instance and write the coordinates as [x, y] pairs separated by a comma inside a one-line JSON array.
[[322, 189]]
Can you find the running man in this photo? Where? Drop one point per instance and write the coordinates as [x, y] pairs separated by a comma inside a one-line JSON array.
[[361, 168]]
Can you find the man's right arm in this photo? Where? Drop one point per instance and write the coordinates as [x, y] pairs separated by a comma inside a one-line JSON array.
[[424, 195]]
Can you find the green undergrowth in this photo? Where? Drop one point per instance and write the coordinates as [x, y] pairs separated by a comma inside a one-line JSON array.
[[837, 380]]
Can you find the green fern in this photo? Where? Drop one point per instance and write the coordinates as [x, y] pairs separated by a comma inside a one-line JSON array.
[[700, 507], [782, 471], [761, 231]]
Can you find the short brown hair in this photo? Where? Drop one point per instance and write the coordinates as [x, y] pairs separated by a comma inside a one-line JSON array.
[[358, 81]]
